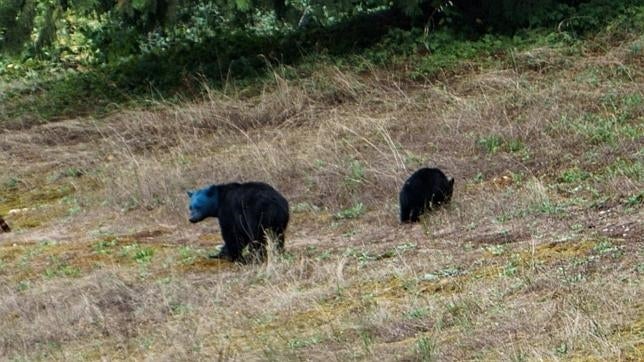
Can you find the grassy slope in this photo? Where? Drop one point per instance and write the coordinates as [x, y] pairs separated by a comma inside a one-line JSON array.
[[539, 256]]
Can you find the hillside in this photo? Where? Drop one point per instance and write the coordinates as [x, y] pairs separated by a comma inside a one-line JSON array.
[[538, 256]]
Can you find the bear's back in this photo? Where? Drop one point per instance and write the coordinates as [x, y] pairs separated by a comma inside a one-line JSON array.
[[426, 178], [431, 175], [252, 193]]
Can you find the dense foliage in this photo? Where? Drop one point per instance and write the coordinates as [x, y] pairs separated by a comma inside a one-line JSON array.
[[100, 30], [107, 51]]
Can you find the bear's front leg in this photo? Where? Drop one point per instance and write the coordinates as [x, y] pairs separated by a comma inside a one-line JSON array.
[[228, 253], [233, 246]]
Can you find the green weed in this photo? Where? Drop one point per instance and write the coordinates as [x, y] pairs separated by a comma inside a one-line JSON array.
[[511, 268], [367, 340], [178, 308], [426, 348], [634, 200], [495, 143], [61, 269], [491, 144], [605, 246], [11, 183], [323, 255], [140, 254], [573, 175], [72, 172], [353, 212], [546, 207], [297, 343], [187, 255], [106, 245], [562, 349], [622, 167], [515, 145], [496, 250], [418, 313], [144, 255], [23, 285], [356, 174], [599, 129]]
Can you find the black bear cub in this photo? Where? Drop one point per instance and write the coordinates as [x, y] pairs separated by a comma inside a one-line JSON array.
[[247, 212], [4, 227], [424, 189]]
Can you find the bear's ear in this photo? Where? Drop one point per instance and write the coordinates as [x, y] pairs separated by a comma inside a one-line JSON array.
[[190, 193]]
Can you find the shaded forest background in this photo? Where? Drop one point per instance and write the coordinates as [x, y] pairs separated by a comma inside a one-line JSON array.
[[61, 58]]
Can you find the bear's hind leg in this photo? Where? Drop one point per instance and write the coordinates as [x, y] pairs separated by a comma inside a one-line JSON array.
[[404, 214], [232, 252], [415, 214], [232, 249]]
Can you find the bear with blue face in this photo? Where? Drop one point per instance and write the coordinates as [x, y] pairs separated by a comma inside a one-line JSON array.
[[248, 214], [424, 190]]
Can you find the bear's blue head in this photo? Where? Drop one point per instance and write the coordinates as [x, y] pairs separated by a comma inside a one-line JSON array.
[[204, 203]]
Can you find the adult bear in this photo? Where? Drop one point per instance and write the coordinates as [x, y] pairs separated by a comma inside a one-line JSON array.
[[424, 189], [247, 212]]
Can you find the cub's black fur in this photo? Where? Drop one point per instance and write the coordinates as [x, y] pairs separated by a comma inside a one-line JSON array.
[[246, 213], [4, 227], [423, 190]]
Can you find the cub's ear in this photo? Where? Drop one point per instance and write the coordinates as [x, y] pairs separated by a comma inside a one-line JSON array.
[[190, 193], [450, 180]]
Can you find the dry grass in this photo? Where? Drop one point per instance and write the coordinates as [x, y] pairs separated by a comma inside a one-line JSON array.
[[538, 257]]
